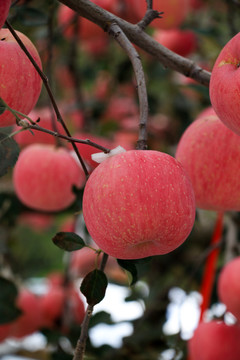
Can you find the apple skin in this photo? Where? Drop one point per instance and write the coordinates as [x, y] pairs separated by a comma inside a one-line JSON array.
[[182, 42], [124, 194], [4, 10], [20, 84], [210, 153], [215, 341], [44, 175], [225, 83], [228, 286]]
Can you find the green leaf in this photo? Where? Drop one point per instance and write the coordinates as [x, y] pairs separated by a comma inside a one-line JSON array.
[[8, 290], [8, 295], [9, 151], [2, 106], [94, 286], [130, 266], [68, 241], [8, 312], [101, 317]]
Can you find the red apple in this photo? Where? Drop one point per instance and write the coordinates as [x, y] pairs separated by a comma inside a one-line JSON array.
[[138, 204], [52, 304], [20, 83], [26, 137], [182, 42], [225, 83], [210, 153], [229, 286], [39, 222], [215, 341], [4, 9], [44, 176], [31, 318]]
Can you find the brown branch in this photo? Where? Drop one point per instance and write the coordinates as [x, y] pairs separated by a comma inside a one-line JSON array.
[[134, 33], [49, 91], [115, 31], [65, 137]]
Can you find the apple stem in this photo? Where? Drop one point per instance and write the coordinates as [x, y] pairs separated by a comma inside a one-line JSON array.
[[116, 32], [210, 267], [49, 91]]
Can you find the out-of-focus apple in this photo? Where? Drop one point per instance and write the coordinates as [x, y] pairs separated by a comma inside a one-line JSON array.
[[44, 176], [224, 85], [210, 153], [31, 318], [138, 204], [4, 10], [215, 341], [20, 83], [182, 42], [228, 286]]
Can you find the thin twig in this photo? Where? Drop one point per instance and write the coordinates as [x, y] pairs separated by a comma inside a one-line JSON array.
[[115, 31], [49, 91], [61, 136]]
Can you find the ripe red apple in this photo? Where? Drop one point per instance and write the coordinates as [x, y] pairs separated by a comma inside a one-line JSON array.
[[138, 204], [224, 84], [44, 176], [182, 42], [228, 286], [31, 318], [26, 137], [210, 153], [215, 341], [4, 9], [20, 83]]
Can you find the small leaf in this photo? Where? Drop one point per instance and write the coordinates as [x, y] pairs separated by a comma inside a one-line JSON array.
[[130, 266], [94, 286], [8, 312], [8, 295], [2, 106], [8, 290], [9, 151], [68, 241], [101, 317]]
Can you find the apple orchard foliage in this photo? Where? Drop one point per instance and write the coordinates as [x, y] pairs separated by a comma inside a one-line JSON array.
[[138, 206]]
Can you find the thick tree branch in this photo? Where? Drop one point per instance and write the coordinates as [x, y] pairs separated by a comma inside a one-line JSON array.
[[115, 31], [137, 36]]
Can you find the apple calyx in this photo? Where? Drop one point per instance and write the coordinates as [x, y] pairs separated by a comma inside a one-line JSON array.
[[100, 157]]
